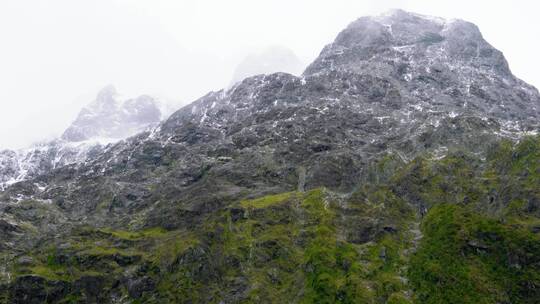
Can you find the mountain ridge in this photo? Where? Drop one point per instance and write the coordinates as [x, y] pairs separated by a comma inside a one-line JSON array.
[[104, 121], [333, 124], [327, 186]]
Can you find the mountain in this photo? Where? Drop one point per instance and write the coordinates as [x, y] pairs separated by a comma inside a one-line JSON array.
[[267, 61], [107, 117], [106, 120], [445, 63], [402, 166]]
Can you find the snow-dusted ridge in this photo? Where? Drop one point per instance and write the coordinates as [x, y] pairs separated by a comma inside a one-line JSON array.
[[400, 81], [107, 120], [109, 116]]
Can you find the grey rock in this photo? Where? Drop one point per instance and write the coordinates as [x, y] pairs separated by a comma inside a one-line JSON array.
[[25, 260], [108, 117]]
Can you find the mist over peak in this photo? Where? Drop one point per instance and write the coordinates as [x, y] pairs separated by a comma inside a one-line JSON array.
[[109, 117], [269, 60]]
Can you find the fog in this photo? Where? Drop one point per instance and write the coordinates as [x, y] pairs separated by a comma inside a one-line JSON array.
[[55, 55]]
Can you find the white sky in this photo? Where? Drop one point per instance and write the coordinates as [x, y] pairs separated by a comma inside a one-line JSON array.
[[56, 54]]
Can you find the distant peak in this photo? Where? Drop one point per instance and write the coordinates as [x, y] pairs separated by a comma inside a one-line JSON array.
[[107, 93], [110, 89], [110, 117]]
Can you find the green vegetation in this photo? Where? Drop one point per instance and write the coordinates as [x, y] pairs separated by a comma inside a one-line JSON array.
[[137, 235], [460, 229], [332, 267], [468, 258], [267, 201]]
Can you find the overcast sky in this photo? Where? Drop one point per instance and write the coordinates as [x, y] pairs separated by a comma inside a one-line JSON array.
[[56, 54]]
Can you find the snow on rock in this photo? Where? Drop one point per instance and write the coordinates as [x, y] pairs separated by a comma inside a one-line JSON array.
[[109, 117], [400, 81], [104, 121]]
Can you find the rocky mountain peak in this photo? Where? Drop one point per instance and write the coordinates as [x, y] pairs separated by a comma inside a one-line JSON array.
[[105, 120], [107, 94], [106, 100], [399, 38], [108, 117], [430, 61]]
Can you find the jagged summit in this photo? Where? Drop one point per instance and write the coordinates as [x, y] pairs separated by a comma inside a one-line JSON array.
[[107, 91], [106, 100], [109, 117]]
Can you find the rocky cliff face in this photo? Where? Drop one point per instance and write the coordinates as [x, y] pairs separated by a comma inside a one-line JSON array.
[[399, 114]]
